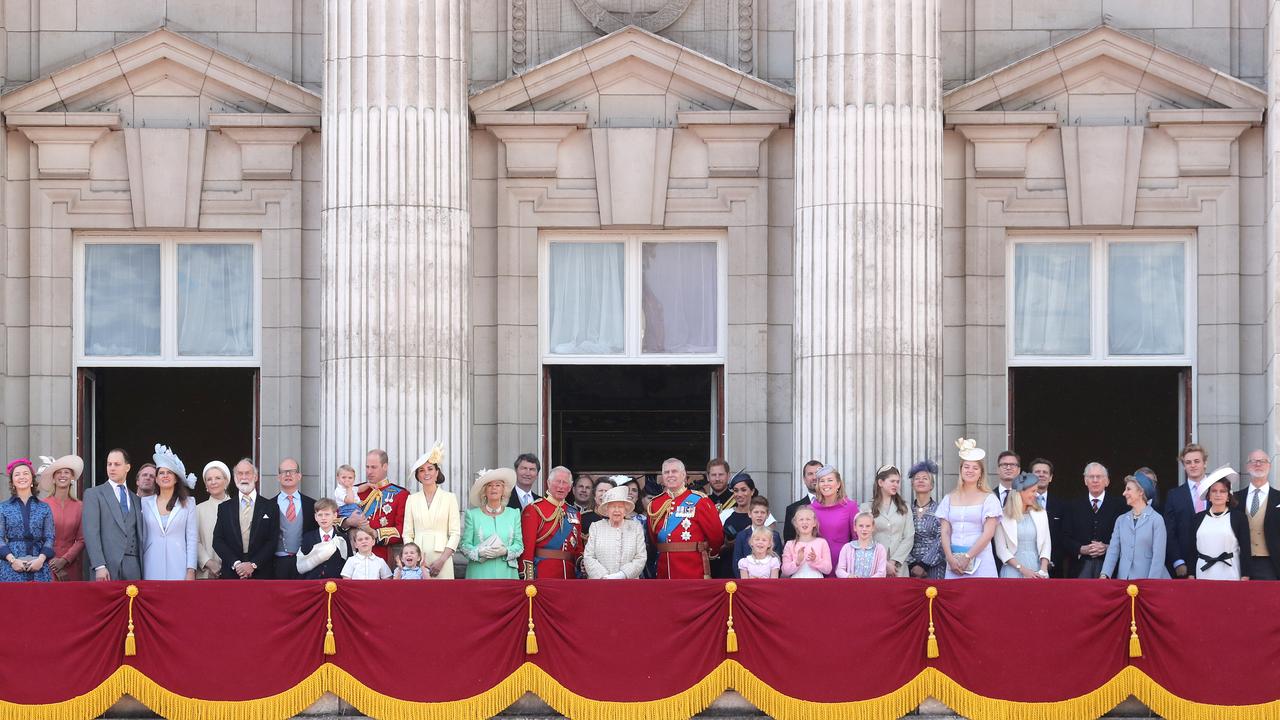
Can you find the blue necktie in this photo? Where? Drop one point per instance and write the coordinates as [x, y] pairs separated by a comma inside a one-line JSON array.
[[124, 500]]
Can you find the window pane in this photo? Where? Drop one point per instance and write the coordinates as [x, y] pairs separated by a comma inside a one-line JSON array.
[[587, 304], [1146, 298], [215, 300], [121, 299], [680, 297], [1051, 299]]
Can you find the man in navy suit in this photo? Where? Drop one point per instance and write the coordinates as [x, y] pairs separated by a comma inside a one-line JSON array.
[[1262, 509], [247, 531], [1053, 507], [1090, 521], [1180, 507]]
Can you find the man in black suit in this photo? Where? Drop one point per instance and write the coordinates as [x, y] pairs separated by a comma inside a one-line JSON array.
[[1180, 507], [810, 471], [1089, 522], [527, 468], [248, 529], [1053, 507], [1262, 510], [1008, 467], [297, 517]]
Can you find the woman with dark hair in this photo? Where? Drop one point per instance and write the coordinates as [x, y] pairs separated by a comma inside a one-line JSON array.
[[894, 529], [171, 534], [1220, 531], [602, 485], [432, 520], [926, 559], [26, 528]]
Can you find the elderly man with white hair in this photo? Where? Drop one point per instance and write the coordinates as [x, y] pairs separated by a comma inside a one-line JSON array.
[[1089, 522], [552, 531], [684, 525]]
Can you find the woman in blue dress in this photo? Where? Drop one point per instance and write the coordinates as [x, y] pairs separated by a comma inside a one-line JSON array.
[[26, 528]]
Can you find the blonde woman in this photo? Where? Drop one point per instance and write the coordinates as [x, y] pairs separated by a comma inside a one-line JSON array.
[[1022, 538], [969, 515]]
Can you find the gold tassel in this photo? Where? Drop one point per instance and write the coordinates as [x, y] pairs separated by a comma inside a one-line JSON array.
[[130, 644], [1135, 647], [530, 640], [731, 637], [931, 645], [330, 647]]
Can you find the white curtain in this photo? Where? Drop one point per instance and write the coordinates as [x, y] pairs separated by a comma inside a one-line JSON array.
[[1146, 298], [215, 300], [121, 299], [588, 308], [680, 297], [1051, 299]]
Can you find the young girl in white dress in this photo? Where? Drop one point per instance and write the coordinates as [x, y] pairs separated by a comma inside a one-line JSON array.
[[762, 562]]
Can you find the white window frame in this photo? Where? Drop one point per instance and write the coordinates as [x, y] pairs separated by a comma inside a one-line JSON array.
[[632, 243], [1099, 353], [168, 243]]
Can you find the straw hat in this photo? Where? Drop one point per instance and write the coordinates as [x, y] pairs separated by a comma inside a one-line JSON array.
[[505, 475]]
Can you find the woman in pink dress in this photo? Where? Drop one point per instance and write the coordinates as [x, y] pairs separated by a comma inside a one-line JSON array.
[[61, 476], [835, 511]]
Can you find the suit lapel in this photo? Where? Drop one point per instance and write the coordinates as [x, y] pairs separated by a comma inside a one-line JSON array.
[[114, 501]]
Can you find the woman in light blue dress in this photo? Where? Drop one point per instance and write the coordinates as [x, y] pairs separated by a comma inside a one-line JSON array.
[[1022, 539], [969, 516], [172, 532], [1136, 550]]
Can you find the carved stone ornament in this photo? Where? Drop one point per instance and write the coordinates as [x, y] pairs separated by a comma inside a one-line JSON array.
[[652, 15]]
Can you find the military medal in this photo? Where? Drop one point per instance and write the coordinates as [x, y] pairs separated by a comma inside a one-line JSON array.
[[685, 536], [382, 521], [686, 524]]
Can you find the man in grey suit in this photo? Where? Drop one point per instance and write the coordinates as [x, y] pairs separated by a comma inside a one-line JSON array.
[[112, 524]]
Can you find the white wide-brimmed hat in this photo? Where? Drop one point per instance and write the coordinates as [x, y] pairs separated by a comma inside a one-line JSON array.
[[1223, 473], [49, 466], [505, 475], [613, 495]]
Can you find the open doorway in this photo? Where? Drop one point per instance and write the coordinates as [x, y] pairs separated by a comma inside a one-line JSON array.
[[202, 413], [629, 418], [1122, 417]]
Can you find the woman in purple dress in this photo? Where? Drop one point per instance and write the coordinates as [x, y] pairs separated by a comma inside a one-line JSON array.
[[834, 510]]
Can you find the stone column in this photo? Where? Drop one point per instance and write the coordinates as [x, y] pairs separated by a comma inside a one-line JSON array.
[[868, 276], [395, 255]]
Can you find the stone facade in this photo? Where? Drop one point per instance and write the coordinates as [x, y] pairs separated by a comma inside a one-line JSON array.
[[1076, 117]]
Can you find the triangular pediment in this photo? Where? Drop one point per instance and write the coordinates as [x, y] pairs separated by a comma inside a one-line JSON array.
[[631, 77], [157, 75], [1104, 75]]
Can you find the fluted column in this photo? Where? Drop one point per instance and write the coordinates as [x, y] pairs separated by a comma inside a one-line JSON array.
[[395, 330], [868, 278]]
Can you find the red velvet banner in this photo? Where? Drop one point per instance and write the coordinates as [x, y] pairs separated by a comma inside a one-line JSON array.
[[643, 641]]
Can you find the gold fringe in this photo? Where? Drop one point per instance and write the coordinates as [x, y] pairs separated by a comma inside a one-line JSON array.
[[731, 637], [931, 643], [1135, 647], [130, 644], [729, 675], [530, 639], [330, 647]]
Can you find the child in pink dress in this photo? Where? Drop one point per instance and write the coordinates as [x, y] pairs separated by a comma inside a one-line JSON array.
[[763, 561], [862, 557], [808, 556]]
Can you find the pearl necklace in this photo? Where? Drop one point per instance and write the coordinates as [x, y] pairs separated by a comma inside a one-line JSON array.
[[491, 511]]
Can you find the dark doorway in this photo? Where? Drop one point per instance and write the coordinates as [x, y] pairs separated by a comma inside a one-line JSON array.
[[629, 418], [1122, 417], [202, 413]]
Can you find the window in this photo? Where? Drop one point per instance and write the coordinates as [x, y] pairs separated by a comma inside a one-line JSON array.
[[1100, 299], [633, 297], [146, 299]]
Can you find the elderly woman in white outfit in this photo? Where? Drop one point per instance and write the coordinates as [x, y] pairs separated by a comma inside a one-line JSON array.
[[615, 548], [432, 520], [170, 549]]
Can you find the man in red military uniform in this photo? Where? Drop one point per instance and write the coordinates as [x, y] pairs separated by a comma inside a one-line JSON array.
[[552, 531], [382, 506], [685, 526]]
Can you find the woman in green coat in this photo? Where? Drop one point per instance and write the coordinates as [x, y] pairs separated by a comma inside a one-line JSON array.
[[491, 537]]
